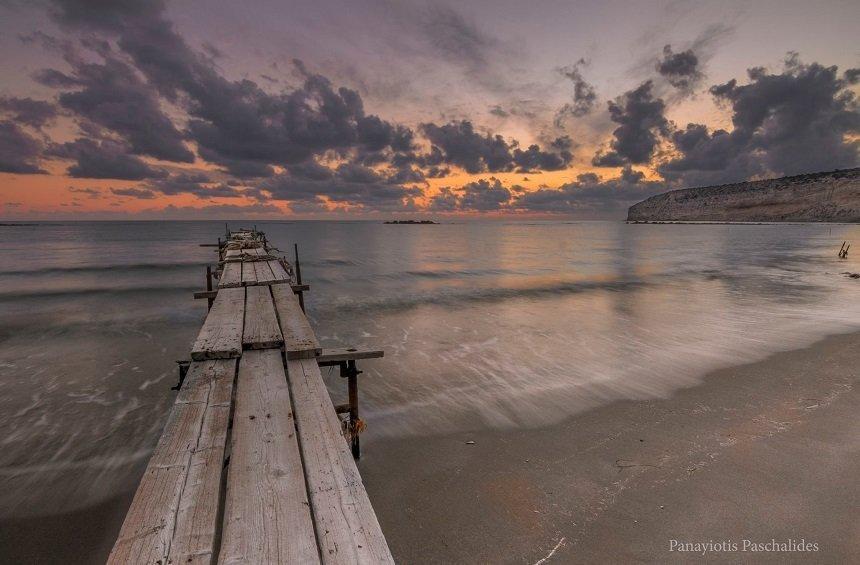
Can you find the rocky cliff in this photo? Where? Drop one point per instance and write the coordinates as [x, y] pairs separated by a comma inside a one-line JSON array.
[[814, 197]]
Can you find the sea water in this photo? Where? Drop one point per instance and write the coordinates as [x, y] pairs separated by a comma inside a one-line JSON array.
[[484, 324]]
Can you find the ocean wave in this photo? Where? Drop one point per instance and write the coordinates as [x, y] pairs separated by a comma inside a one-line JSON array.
[[450, 296], [111, 268], [18, 295]]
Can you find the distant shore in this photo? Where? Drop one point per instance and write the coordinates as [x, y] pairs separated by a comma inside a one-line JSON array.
[[769, 450]]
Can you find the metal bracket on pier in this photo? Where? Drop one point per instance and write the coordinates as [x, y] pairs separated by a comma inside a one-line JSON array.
[[345, 359], [183, 370]]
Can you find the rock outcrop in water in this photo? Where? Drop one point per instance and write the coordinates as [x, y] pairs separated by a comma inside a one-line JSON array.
[[815, 197]]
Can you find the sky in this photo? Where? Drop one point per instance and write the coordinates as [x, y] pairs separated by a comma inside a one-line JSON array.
[[363, 109]]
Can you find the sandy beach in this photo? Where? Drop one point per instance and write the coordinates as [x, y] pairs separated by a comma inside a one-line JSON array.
[[769, 450]]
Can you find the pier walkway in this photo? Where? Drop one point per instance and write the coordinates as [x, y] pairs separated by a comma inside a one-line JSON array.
[[253, 465]]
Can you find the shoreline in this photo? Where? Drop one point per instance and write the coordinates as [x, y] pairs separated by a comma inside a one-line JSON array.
[[757, 451], [764, 450]]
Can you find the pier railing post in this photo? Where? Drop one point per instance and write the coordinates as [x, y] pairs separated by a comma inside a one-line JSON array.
[[209, 284], [299, 276], [349, 370]]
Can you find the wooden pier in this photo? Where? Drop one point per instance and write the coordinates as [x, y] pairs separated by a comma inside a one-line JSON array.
[[253, 465]]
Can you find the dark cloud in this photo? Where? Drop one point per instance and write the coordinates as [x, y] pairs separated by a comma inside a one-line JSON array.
[[457, 143], [680, 69], [481, 195], [198, 184], [104, 14], [19, 151], [801, 120], [584, 95], [455, 38], [104, 159], [112, 95], [139, 193], [641, 123], [499, 112], [35, 113], [349, 184], [236, 124], [591, 196], [90, 192], [533, 159], [461, 145]]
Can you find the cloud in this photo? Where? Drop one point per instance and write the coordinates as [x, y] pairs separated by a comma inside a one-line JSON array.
[[454, 37], [349, 185], [680, 69], [457, 143], [803, 119], [198, 184], [589, 196], [592, 196], [112, 95], [19, 151], [104, 159], [641, 122], [34, 113], [584, 95], [482, 195], [235, 124], [139, 193]]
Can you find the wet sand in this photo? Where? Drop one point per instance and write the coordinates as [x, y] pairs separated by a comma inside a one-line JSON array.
[[82, 536], [757, 452], [764, 451]]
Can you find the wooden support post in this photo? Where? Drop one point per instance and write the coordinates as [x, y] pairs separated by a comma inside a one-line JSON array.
[[209, 285], [299, 277], [349, 370]]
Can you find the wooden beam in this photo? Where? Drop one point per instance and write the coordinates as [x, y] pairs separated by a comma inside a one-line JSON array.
[[198, 521], [249, 273], [155, 518], [221, 334], [348, 354], [279, 273], [205, 294], [231, 276], [346, 525], [261, 323], [299, 339], [267, 517]]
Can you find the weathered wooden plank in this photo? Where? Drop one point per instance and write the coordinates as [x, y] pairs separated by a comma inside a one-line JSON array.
[[279, 272], [249, 274], [299, 339], [348, 354], [264, 272], [149, 526], [231, 275], [346, 525], [261, 323], [198, 522], [221, 334], [267, 517]]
